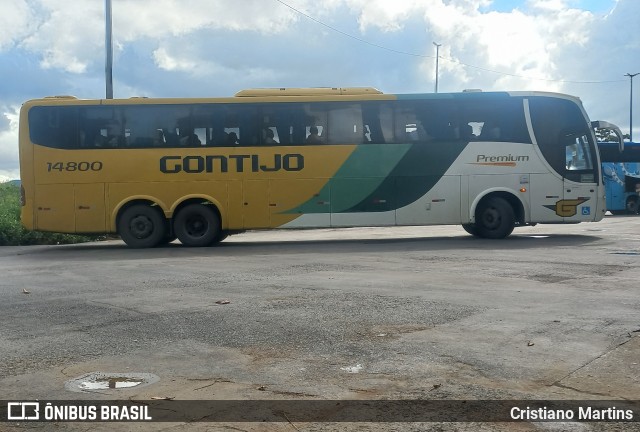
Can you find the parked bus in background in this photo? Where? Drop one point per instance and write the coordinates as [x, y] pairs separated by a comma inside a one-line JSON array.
[[622, 185], [152, 170]]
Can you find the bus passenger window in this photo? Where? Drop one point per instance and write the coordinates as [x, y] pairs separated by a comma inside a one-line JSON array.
[[577, 155], [201, 135], [269, 136], [490, 132], [344, 123], [188, 138], [314, 135], [158, 139], [366, 132], [409, 124], [110, 136], [378, 122], [232, 137]]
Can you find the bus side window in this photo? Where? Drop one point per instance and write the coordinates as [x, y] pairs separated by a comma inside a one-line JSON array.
[[232, 136], [171, 137], [410, 121], [54, 126], [314, 135], [311, 127], [110, 135], [270, 135], [466, 132], [240, 125], [345, 124], [378, 120]]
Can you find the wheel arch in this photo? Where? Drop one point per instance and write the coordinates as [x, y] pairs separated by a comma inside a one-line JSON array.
[[200, 199], [131, 201], [508, 195], [631, 203]]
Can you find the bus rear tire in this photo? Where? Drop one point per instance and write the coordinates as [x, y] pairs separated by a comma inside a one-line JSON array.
[[220, 237], [632, 205], [495, 218], [141, 226], [197, 225]]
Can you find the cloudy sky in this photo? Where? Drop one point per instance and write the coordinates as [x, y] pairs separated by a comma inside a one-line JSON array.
[[173, 48]]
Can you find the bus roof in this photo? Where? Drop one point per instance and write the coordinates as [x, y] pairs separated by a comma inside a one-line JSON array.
[[312, 91], [297, 94]]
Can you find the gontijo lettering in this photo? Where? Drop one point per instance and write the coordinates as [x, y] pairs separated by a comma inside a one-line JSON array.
[[231, 163]]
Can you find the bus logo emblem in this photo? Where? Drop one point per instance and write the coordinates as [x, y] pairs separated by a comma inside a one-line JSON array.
[[569, 207]]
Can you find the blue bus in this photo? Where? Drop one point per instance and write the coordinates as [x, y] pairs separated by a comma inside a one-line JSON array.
[[621, 174], [622, 186]]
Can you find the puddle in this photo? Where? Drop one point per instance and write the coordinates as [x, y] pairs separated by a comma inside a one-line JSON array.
[[625, 253], [352, 369], [110, 381]]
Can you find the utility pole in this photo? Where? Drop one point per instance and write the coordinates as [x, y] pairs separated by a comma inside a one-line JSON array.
[[631, 106], [437, 59], [109, 49]]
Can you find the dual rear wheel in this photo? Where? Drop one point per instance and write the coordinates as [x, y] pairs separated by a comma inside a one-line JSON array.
[[144, 226]]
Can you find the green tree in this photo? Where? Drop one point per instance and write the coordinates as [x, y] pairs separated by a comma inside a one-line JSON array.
[[605, 135]]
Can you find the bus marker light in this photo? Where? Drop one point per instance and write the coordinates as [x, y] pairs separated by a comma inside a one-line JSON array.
[[523, 190]]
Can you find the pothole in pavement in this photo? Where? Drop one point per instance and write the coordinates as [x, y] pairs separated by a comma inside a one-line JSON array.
[[105, 381]]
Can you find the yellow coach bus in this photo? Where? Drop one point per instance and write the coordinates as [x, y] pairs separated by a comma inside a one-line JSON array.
[[153, 170]]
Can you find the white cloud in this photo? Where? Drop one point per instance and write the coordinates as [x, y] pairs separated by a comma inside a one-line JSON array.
[[9, 160], [163, 18], [71, 34], [168, 62], [385, 15], [16, 21]]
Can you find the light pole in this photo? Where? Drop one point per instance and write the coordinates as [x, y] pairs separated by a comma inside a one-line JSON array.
[[631, 106], [109, 48], [437, 58]]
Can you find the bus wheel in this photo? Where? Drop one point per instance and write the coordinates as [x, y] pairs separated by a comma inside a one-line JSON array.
[[220, 237], [197, 225], [141, 226], [471, 229], [632, 205], [495, 218]]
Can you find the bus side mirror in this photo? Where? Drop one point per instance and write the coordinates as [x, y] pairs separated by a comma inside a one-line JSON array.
[[613, 128]]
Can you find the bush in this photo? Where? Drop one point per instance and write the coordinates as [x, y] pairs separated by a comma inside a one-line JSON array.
[[13, 234]]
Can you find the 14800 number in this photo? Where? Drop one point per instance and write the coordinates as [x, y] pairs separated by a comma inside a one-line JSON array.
[[74, 166]]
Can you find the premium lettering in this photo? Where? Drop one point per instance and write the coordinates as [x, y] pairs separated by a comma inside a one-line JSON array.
[[505, 158]]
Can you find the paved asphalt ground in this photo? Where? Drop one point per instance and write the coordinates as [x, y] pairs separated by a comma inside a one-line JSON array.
[[552, 312]]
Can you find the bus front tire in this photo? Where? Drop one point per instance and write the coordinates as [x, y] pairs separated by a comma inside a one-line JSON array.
[[471, 229], [495, 218], [197, 225], [141, 226]]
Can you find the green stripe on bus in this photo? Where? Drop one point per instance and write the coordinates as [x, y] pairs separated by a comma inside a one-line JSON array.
[[362, 173], [415, 175]]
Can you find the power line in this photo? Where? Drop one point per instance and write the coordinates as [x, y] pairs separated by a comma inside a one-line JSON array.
[[317, 21]]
